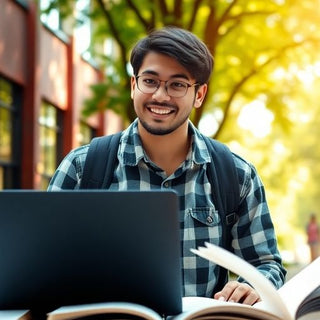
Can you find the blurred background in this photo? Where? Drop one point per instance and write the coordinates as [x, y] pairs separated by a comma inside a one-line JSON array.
[[65, 78]]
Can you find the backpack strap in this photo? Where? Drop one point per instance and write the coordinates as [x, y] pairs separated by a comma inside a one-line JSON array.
[[223, 176], [100, 162]]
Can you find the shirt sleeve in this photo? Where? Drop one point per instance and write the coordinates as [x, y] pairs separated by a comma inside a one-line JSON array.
[[254, 237], [69, 173]]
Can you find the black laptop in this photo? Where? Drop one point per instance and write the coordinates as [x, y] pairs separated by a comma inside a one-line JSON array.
[[74, 247]]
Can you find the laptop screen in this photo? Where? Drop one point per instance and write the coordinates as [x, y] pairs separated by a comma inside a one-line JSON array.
[[73, 247]]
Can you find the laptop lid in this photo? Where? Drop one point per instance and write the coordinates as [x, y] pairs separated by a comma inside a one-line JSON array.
[[73, 247]]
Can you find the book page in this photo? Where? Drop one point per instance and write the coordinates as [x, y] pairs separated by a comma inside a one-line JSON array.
[[208, 308], [300, 286], [71, 312], [272, 301]]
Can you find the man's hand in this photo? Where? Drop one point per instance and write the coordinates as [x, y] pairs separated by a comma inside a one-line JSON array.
[[235, 291]]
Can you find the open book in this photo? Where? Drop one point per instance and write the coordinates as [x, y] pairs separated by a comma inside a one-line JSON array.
[[298, 299]]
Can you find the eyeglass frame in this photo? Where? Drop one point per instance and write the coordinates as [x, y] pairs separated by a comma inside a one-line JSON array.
[[165, 85]]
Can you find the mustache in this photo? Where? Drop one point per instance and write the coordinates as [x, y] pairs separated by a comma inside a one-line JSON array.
[[160, 104]]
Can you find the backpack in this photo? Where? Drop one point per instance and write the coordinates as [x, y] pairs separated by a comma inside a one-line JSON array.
[[222, 174]]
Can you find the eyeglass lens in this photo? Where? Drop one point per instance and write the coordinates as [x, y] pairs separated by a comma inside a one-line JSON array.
[[174, 88]]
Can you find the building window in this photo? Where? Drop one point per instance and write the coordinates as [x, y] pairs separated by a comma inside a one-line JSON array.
[[5, 121], [10, 165], [86, 134], [50, 142]]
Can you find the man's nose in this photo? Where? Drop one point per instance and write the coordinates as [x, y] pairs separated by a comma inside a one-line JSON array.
[[161, 93]]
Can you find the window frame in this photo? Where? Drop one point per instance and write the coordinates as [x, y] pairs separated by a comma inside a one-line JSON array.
[[57, 128], [11, 168]]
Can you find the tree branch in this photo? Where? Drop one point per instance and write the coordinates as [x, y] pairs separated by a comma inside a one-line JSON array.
[[163, 8], [225, 15], [196, 6], [253, 72], [237, 19], [177, 10], [114, 31], [210, 32], [143, 21], [153, 15]]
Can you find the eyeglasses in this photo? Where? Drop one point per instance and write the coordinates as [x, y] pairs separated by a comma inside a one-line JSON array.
[[174, 88]]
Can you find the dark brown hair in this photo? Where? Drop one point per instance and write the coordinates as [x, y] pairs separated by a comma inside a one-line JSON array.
[[179, 44]]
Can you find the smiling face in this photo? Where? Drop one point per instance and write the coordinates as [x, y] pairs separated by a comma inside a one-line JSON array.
[[158, 113]]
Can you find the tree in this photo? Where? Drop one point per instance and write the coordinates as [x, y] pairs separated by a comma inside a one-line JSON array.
[[249, 39]]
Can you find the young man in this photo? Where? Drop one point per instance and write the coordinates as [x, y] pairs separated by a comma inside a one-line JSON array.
[[162, 149]]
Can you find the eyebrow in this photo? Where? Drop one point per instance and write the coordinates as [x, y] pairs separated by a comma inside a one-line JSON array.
[[177, 75]]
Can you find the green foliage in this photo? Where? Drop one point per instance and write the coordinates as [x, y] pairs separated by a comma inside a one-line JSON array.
[[106, 93], [249, 40]]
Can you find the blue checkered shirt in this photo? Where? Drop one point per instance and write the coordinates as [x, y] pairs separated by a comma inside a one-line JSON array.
[[253, 236]]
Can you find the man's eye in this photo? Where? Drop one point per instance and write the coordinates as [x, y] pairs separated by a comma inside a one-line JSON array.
[[150, 82], [177, 85]]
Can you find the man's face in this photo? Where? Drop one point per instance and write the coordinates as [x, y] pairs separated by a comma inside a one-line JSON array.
[[158, 112]]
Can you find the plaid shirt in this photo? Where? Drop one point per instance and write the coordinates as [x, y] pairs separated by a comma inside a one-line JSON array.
[[253, 234]]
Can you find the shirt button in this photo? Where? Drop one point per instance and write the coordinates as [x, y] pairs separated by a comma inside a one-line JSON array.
[[209, 219], [166, 184]]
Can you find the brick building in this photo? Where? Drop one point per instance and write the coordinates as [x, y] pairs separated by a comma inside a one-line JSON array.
[[43, 84]]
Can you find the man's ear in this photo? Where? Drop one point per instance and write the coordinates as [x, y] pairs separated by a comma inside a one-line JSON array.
[[200, 95], [133, 86]]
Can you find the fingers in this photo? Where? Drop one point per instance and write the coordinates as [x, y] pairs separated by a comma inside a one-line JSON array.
[[235, 291]]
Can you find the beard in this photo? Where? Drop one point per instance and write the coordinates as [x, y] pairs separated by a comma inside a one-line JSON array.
[[161, 131], [155, 130]]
